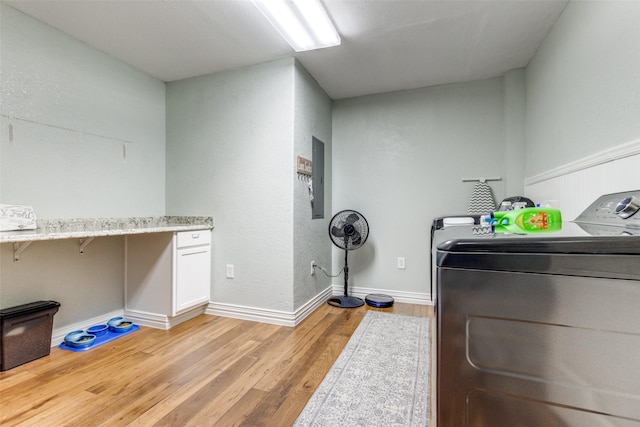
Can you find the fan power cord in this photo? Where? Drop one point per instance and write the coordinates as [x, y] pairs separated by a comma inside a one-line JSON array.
[[325, 271]]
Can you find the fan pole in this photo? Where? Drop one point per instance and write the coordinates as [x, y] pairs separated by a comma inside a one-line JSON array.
[[345, 301], [346, 273]]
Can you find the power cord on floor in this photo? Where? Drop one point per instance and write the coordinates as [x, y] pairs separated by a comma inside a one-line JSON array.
[[325, 271]]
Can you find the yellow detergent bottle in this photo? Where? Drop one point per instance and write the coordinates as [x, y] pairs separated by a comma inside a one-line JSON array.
[[527, 220]]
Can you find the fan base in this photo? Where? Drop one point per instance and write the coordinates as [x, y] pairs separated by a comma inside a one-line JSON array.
[[345, 301]]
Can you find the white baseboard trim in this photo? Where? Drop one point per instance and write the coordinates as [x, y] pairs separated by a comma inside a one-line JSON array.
[[276, 317], [398, 296], [162, 321], [57, 337], [311, 305]]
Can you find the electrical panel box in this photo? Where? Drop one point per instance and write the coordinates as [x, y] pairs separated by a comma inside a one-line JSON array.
[[317, 209]]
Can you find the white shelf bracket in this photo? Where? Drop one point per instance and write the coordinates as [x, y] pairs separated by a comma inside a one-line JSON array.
[[18, 249], [84, 243]]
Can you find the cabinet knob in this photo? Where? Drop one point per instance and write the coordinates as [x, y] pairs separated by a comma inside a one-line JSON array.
[[195, 235]]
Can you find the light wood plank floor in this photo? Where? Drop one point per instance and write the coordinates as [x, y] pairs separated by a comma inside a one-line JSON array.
[[209, 371]]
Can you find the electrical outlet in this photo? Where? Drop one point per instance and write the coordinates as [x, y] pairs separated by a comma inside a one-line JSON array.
[[313, 268], [230, 271], [401, 264]]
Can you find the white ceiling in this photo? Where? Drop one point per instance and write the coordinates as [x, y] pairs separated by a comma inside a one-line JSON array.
[[387, 45]]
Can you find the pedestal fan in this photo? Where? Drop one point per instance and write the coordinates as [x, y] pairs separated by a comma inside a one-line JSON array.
[[348, 230]]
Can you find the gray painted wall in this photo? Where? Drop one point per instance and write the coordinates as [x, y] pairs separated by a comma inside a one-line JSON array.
[[514, 93], [88, 130], [229, 146], [72, 109], [312, 117], [88, 140], [399, 159], [583, 85], [232, 141]]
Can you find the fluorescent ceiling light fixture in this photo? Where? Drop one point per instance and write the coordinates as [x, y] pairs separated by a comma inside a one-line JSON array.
[[304, 24]]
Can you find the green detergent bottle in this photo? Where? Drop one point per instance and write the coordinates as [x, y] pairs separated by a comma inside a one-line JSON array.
[[527, 220]]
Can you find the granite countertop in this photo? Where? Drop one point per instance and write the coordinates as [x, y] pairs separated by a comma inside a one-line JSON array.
[[55, 229]]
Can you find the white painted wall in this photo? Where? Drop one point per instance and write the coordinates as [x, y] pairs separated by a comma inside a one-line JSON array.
[[312, 117], [399, 159], [230, 154], [583, 106], [575, 186], [72, 109]]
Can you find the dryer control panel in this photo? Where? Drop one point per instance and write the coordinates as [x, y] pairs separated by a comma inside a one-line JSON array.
[[617, 209]]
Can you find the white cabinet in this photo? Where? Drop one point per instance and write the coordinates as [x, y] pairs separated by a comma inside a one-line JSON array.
[[192, 282], [168, 277]]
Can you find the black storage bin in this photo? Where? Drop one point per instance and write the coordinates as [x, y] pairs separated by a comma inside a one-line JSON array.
[[26, 332]]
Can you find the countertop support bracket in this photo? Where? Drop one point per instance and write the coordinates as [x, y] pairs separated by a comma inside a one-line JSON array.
[[84, 243], [18, 249]]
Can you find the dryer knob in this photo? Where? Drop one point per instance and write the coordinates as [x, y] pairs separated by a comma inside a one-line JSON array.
[[628, 207]]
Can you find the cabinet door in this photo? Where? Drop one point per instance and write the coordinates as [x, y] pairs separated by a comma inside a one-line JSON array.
[[193, 277]]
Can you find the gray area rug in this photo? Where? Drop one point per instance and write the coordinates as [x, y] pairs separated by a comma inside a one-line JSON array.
[[381, 378]]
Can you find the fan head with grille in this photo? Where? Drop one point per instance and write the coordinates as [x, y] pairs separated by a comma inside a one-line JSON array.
[[348, 230]]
